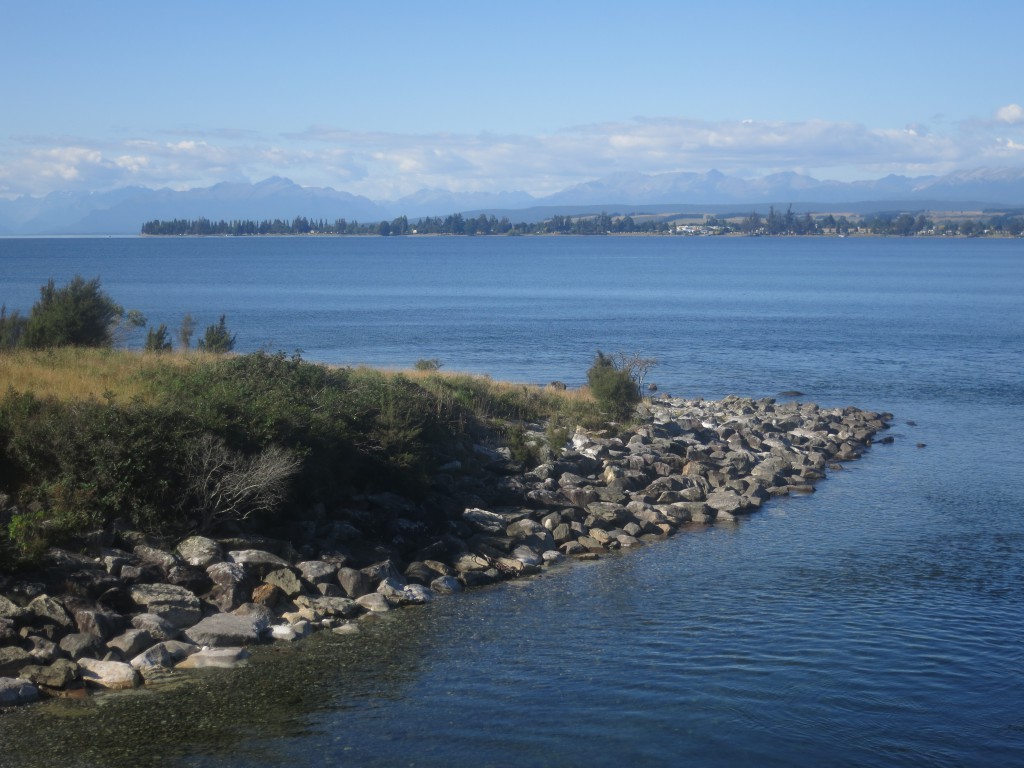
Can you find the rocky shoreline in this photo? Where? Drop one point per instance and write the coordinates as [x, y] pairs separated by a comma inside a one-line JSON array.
[[131, 610]]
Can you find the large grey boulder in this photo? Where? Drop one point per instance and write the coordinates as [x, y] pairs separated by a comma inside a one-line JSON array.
[[257, 562], [200, 551], [214, 657], [175, 604], [354, 583], [484, 521], [48, 610], [158, 627], [285, 580], [318, 571], [78, 645], [231, 585], [164, 655], [131, 643], [114, 675], [15, 691], [225, 629], [60, 674], [12, 659]]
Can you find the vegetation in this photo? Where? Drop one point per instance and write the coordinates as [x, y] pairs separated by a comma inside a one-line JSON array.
[[217, 338], [77, 314], [615, 390], [775, 222]]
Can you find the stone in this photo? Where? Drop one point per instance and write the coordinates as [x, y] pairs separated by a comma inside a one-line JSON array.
[[16, 691], [342, 607], [60, 674], [354, 583], [12, 659], [446, 585], [99, 624], [43, 651], [195, 580], [386, 569], [78, 645], [374, 602], [131, 643], [114, 675], [231, 585], [9, 610], [214, 657], [725, 501], [318, 571], [164, 655], [200, 551], [257, 562], [152, 556], [49, 610], [223, 630], [285, 580], [420, 573], [158, 627], [175, 604], [484, 521], [268, 595]]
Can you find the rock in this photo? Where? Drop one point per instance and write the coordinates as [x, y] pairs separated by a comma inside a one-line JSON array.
[[339, 607], [318, 571], [446, 585], [15, 691], [48, 610], [225, 629], [200, 551], [354, 583], [420, 573], [528, 556], [158, 627], [374, 602], [484, 521], [9, 610], [194, 579], [725, 501], [60, 674], [152, 556], [78, 645], [386, 569], [231, 585], [257, 562], [214, 657], [12, 659], [289, 632], [99, 624], [164, 655], [347, 629], [285, 580], [116, 600], [268, 595], [175, 604], [131, 643], [114, 675], [43, 651]]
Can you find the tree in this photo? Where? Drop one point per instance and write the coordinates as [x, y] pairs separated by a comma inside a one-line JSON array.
[[79, 314], [637, 366], [157, 339], [615, 390], [217, 338], [188, 327], [12, 326]]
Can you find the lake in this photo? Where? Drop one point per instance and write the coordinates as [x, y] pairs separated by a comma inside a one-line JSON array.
[[876, 622]]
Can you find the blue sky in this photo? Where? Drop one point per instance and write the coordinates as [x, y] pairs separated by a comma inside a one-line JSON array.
[[383, 99]]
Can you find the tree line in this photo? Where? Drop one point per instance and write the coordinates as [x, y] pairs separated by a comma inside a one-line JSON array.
[[776, 222]]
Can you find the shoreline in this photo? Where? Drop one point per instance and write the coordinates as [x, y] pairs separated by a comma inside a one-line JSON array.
[[134, 610]]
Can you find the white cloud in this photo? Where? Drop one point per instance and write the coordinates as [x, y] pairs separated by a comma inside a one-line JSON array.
[[1011, 113], [388, 165]]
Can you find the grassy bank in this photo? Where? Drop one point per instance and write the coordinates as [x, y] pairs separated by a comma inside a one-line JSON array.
[[175, 442]]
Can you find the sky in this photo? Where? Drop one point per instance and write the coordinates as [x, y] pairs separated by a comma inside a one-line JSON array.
[[384, 99]]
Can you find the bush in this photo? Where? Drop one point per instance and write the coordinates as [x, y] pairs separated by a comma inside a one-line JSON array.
[[12, 326], [79, 314], [613, 388], [157, 339], [217, 338], [433, 364]]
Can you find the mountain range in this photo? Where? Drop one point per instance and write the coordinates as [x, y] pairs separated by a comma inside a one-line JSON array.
[[123, 211]]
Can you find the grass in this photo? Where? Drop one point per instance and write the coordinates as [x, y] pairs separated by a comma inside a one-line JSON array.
[[80, 373]]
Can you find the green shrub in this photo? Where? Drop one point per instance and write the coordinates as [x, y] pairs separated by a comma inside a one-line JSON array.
[[79, 314], [433, 364], [157, 339], [613, 388], [217, 338]]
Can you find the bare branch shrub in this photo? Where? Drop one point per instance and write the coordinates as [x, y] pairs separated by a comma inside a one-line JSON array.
[[636, 365], [224, 484]]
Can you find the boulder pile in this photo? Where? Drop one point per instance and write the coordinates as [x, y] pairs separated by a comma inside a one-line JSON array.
[[132, 610]]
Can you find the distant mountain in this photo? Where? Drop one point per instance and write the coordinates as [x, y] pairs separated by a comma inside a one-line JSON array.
[[123, 211]]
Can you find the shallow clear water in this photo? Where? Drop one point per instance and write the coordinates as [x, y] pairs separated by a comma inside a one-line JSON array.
[[875, 622]]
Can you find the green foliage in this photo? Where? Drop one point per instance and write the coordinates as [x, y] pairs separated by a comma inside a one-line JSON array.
[[433, 364], [157, 339], [613, 388], [78, 314], [185, 331], [217, 339], [12, 327]]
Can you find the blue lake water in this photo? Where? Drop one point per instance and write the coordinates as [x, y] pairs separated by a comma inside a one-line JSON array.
[[875, 622]]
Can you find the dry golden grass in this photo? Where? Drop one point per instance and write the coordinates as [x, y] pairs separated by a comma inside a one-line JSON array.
[[76, 373]]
